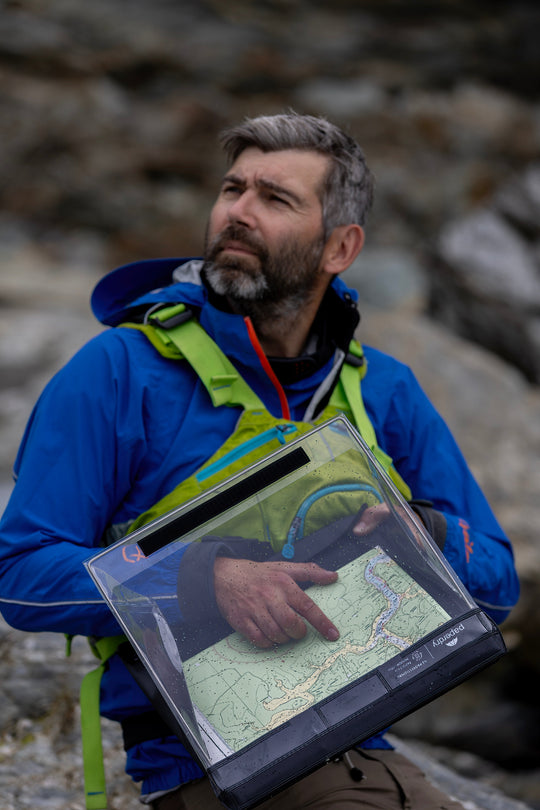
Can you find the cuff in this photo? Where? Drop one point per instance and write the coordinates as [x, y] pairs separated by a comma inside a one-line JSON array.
[[433, 520], [195, 584]]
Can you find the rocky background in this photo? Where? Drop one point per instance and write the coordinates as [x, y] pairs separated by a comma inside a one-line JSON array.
[[109, 113]]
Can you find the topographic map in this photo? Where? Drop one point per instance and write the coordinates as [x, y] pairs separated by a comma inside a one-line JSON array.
[[244, 692]]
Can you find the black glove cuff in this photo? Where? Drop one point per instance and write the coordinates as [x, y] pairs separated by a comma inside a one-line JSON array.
[[433, 520], [195, 584]]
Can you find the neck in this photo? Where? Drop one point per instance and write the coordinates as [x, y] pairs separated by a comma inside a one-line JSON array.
[[282, 328]]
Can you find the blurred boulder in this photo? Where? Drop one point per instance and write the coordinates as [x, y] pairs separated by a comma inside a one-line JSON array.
[[485, 278]]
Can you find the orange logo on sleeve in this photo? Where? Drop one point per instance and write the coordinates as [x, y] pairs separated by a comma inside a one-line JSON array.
[[469, 545]]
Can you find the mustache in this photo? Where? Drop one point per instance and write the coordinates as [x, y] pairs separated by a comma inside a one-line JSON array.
[[237, 234]]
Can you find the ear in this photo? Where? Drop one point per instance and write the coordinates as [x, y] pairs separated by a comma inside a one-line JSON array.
[[343, 246]]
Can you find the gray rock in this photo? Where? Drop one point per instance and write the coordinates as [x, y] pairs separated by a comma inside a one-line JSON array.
[[388, 278], [491, 261], [485, 280], [339, 98], [519, 200], [473, 793]]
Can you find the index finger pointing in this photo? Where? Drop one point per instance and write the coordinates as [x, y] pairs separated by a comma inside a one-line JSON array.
[[306, 607], [309, 572]]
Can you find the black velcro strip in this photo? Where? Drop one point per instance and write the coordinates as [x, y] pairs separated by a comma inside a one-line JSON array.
[[188, 521]]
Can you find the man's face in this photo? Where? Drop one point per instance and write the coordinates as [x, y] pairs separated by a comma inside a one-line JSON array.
[[265, 236]]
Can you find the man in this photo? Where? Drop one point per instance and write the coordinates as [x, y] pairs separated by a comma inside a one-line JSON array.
[[120, 426]]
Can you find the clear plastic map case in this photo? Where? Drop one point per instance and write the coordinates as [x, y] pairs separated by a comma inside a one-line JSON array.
[[258, 718]]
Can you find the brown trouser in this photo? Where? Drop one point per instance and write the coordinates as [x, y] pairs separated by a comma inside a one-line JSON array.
[[391, 782]]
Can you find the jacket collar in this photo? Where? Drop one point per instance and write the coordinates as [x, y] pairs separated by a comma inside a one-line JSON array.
[[126, 293]]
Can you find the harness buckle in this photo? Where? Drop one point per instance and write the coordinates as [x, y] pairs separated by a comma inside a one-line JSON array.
[[174, 320], [354, 360]]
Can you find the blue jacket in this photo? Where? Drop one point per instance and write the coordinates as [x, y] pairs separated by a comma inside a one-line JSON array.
[[119, 426]]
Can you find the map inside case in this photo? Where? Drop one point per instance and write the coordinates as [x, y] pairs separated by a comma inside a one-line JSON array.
[[259, 718]]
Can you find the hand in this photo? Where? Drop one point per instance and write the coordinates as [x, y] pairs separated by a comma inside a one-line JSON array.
[[370, 518], [262, 601]]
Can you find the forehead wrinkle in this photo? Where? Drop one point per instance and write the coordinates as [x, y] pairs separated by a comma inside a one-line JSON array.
[[265, 184], [233, 178], [271, 185]]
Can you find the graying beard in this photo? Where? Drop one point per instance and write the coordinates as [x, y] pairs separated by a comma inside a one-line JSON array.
[[243, 287]]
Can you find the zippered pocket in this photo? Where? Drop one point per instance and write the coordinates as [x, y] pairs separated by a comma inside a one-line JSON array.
[[278, 432]]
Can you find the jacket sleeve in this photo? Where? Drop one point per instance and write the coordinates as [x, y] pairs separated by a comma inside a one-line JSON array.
[[425, 453], [74, 466]]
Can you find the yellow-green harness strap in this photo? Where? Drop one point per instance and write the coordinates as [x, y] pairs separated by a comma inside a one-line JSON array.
[[187, 339], [93, 765]]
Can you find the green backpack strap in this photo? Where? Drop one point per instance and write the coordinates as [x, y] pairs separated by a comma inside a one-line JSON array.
[[179, 337], [92, 745], [348, 394]]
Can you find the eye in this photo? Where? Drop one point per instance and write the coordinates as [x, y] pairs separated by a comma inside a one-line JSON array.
[[275, 198], [231, 189]]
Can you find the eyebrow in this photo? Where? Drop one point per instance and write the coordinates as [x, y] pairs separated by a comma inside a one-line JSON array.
[[269, 185]]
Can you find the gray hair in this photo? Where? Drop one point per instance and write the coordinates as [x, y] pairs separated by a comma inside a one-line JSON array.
[[347, 192]]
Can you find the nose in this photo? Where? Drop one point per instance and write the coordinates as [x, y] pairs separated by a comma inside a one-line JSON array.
[[242, 210]]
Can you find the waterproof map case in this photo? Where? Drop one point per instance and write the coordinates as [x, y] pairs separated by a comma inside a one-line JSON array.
[[258, 719]]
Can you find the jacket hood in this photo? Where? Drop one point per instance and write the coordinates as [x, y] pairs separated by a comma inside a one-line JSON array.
[[141, 284], [145, 283]]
